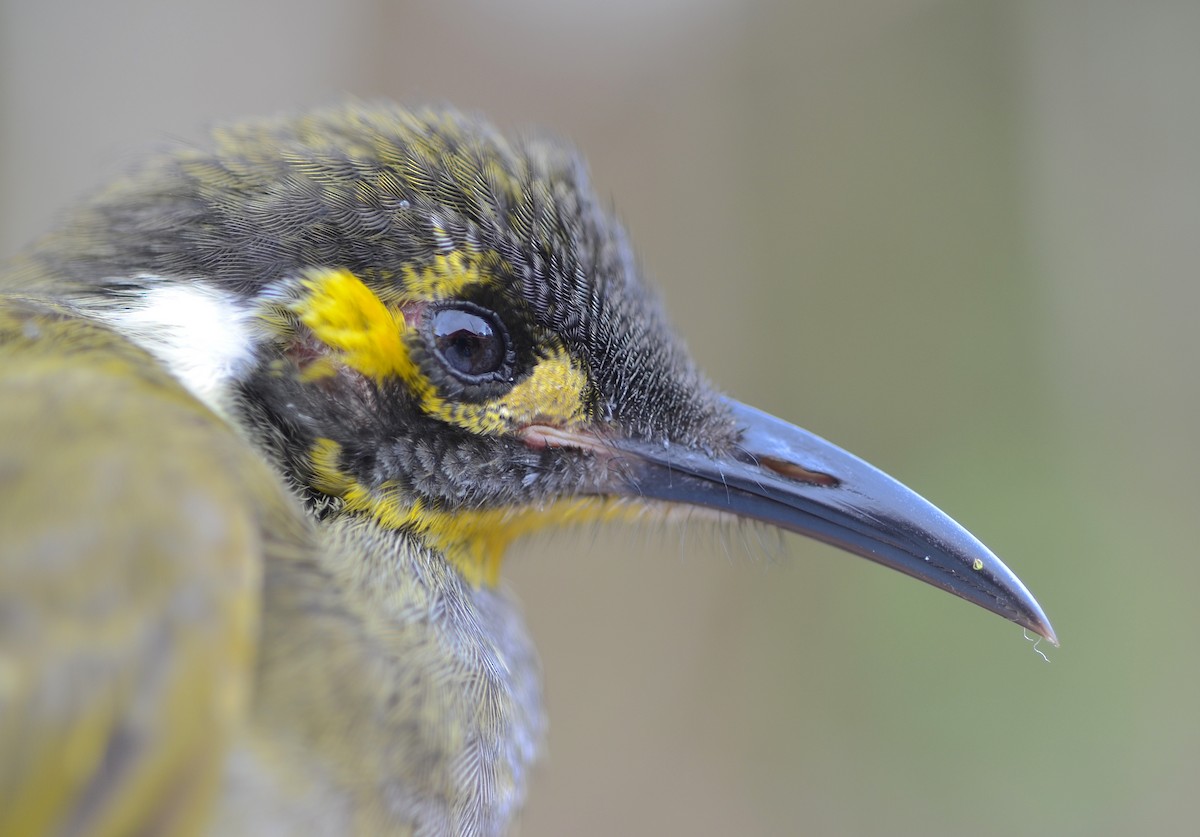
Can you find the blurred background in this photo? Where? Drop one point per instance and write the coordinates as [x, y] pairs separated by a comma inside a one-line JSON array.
[[960, 238]]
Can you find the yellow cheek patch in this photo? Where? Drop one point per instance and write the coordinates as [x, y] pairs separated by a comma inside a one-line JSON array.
[[554, 394], [369, 337], [474, 541]]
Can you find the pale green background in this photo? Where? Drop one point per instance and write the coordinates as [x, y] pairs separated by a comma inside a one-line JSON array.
[[959, 238]]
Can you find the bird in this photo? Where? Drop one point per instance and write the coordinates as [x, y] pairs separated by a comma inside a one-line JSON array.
[[274, 406]]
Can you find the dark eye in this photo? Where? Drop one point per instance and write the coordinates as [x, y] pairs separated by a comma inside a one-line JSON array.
[[468, 341]]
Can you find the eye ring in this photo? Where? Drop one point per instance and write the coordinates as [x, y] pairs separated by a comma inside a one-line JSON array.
[[471, 342]]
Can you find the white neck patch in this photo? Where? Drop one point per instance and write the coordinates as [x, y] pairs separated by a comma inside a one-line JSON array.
[[201, 334]]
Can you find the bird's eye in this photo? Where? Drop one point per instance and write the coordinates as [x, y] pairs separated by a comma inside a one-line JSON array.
[[469, 341]]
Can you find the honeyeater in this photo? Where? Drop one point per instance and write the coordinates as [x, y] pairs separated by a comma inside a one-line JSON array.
[[273, 406]]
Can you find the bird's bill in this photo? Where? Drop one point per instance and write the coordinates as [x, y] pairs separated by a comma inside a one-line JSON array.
[[793, 479]]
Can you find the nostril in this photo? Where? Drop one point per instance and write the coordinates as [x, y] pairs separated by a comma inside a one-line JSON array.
[[797, 472]]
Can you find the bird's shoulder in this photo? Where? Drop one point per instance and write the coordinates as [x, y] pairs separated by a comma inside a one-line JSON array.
[[134, 524]]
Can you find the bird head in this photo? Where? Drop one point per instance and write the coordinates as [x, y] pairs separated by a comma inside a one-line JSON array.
[[443, 330]]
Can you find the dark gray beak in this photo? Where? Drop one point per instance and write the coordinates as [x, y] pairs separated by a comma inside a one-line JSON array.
[[788, 477]]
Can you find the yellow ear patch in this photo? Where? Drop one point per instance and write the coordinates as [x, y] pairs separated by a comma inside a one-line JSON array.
[[473, 540], [346, 316]]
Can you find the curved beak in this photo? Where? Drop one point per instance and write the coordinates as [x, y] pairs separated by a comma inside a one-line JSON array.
[[788, 477]]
